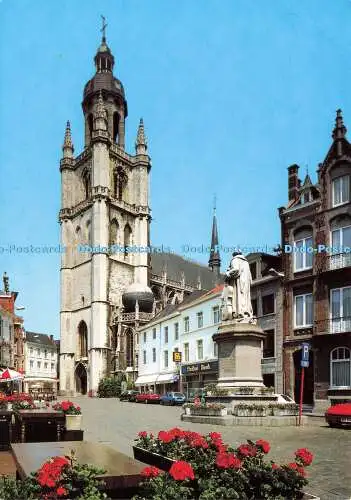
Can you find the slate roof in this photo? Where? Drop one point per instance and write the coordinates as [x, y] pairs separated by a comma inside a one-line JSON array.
[[176, 264], [40, 339]]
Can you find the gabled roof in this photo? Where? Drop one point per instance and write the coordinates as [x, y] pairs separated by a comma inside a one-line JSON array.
[[39, 338]]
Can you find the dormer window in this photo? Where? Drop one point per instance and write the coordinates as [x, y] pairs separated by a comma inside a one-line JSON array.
[[341, 190], [306, 197]]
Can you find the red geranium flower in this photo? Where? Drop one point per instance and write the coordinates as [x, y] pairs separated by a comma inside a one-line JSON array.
[[247, 450], [150, 472], [142, 434], [264, 445], [181, 471], [165, 437], [300, 470], [227, 460], [177, 433], [61, 492], [215, 436], [199, 442], [304, 455], [275, 466]]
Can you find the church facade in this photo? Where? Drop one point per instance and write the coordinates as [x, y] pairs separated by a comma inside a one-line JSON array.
[[108, 292]]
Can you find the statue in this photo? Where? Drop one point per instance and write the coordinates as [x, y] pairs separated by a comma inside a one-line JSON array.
[[236, 296]]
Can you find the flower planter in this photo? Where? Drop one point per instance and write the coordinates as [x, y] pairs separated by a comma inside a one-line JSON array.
[[73, 422], [9, 406], [246, 412], [208, 412], [282, 412], [149, 458]]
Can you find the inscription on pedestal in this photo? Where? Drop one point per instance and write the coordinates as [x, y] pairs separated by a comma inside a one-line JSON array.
[[225, 350]]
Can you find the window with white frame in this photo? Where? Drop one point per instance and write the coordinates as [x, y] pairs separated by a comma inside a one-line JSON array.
[[200, 349], [200, 319], [186, 324], [303, 310], [176, 331], [52, 367], [38, 365], [215, 311], [341, 190], [45, 354], [31, 351], [144, 357], [166, 334], [340, 367], [31, 364], [38, 352], [154, 333], [144, 337], [165, 359], [154, 355], [186, 352], [45, 366], [303, 254], [341, 238], [340, 310]]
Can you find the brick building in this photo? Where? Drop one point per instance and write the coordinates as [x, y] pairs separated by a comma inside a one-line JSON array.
[[317, 280], [11, 330]]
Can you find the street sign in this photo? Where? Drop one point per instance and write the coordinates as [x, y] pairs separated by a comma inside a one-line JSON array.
[[305, 355], [177, 357]]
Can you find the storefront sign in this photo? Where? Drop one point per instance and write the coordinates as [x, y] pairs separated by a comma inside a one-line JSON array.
[[207, 366], [177, 357]]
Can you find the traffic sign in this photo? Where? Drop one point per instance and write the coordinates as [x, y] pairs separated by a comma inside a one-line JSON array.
[[305, 355]]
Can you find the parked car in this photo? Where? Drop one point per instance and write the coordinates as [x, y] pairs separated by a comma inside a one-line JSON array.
[[145, 397], [128, 395], [339, 415], [172, 398]]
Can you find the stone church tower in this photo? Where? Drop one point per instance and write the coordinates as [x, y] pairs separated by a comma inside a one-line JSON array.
[[104, 202]]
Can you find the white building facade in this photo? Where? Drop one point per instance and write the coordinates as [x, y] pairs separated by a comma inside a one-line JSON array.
[[41, 358], [187, 328]]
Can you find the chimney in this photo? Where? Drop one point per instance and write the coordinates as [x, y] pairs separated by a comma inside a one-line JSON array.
[[294, 183], [51, 338]]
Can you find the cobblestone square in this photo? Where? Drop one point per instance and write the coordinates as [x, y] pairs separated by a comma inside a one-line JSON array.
[[117, 423]]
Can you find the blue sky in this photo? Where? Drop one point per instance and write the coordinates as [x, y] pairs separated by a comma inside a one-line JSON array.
[[232, 92]]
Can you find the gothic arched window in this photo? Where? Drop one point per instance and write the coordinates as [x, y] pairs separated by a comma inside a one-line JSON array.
[[88, 232], [127, 238], [130, 347], [114, 232], [119, 183], [90, 124], [82, 340], [86, 183], [115, 126]]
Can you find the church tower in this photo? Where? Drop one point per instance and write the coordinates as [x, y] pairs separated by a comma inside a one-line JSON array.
[[104, 210]]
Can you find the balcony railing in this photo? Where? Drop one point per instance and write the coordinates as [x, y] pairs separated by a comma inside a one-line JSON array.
[[339, 261], [333, 325]]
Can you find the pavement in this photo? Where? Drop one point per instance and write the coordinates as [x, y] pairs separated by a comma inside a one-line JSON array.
[[117, 423]]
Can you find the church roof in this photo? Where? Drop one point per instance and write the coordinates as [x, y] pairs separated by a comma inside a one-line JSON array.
[[175, 265]]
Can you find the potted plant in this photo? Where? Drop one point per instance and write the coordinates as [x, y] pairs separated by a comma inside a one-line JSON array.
[[206, 409], [59, 477], [153, 451], [205, 468], [72, 413], [246, 391], [284, 409], [250, 410]]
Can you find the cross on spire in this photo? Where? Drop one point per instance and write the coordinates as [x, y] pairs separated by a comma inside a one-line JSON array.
[[103, 29], [214, 203]]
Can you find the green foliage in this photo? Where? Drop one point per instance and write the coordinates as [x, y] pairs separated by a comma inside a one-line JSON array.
[[10, 489], [109, 387]]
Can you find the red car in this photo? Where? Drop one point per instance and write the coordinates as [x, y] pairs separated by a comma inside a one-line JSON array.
[[339, 415], [147, 398]]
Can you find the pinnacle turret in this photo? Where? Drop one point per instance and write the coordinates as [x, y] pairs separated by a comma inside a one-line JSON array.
[[67, 146], [100, 117], [340, 130], [215, 261], [141, 141]]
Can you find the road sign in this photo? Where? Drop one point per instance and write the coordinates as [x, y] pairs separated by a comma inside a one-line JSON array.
[[305, 355], [177, 357]]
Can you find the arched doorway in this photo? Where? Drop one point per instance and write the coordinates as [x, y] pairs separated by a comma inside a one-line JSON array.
[[308, 393], [81, 379]]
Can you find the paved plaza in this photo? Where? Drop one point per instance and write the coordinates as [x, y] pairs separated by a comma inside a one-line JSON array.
[[117, 423]]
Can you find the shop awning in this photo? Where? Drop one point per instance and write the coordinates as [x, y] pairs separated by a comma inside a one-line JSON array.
[[145, 379], [166, 378]]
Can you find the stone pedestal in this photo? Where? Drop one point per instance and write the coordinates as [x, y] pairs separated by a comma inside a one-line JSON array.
[[239, 355]]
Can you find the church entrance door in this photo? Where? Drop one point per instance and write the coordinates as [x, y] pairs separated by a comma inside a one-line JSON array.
[[81, 379]]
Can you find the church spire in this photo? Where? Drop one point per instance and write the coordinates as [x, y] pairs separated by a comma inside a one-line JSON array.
[[104, 60], [67, 147], [141, 142], [214, 262]]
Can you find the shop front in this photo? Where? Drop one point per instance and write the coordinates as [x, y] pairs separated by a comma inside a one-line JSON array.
[[195, 376], [146, 383], [167, 382]]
